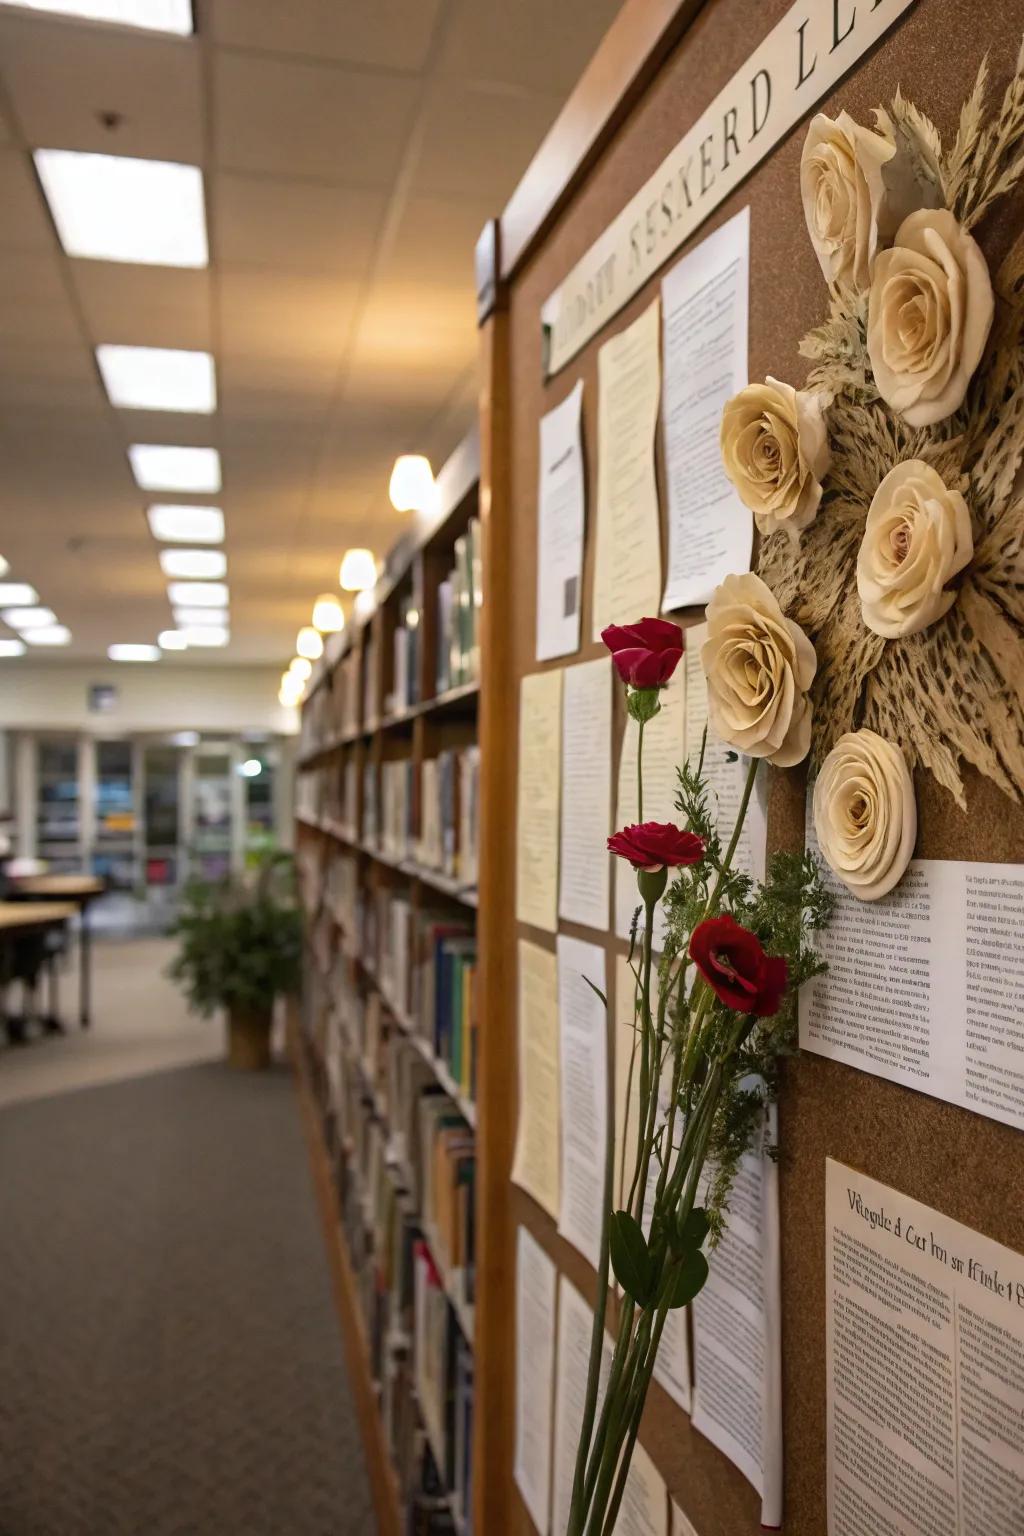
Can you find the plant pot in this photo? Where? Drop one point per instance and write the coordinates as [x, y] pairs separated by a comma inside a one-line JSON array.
[[249, 1038]]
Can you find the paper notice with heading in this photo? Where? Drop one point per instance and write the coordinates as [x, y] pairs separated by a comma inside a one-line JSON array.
[[926, 986], [587, 792], [725, 769], [575, 1323], [925, 1361], [737, 1336], [560, 518], [540, 757], [627, 566], [535, 1363], [681, 1525], [664, 752], [705, 300], [582, 1028], [644, 1507], [535, 1168], [672, 1367]]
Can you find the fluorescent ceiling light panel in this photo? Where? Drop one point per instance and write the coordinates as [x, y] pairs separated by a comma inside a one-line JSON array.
[[159, 467], [197, 594], [12, 647], [207, 634], [5, 566], [133, 652], [174, 16], [28, 618], [186, 525], [171, 640], [195, 564], [115, 208], [158, 378], [185, 618], [17, 594], [50, 634]]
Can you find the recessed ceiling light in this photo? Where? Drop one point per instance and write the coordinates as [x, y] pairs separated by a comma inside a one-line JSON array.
[[171, 640], [115, 208], [158, 378], [197, 594], [133, 652], [358, 571], [12, 647], [5, 566], [152, 15], [17, 594], [28, 618], [185, 618], [50, 634], [186, 525], [157, 467], [197, 564], [207, 634]]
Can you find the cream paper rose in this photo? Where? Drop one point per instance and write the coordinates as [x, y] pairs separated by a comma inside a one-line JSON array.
[[775, 452], [865, 814], [917, 536], [847, 205], [759, 666], [929, 315]]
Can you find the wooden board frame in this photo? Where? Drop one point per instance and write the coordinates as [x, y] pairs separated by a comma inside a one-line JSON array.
[[658, 68]]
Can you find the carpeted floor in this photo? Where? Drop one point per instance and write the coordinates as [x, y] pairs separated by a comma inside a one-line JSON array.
[[170, 1359]]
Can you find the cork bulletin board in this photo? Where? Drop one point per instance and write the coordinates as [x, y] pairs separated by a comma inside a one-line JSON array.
[[968, 1166]]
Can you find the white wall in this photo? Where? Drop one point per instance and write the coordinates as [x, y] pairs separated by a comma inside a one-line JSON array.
[[160, 697]]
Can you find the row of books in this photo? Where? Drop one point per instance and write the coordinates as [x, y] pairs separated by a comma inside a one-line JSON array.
[[450, 814], [459, 599], [397, 808], [405, 691]]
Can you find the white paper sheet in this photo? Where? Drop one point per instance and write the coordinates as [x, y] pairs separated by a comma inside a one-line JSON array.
[[535, 1167], [644, 1507], [587, 793], [705, 302], [664, 753], [925, 1360], [575, 1322], [535, 1361], [925, 987], [560, 520], [725, 769], [627, 563], [540, 758], [584, 1086], [681, 1524], [737, 1395]]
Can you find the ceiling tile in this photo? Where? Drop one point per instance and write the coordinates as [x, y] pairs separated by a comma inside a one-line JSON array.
[[60, 82], [264, 315], [532, 43], [488, 162], [270, 222], [393, 33], [34, 305], [144, 306], [25, 221], [435, 240], [297, 120]]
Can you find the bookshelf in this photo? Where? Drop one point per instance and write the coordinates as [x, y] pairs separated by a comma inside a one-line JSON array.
[[387, 1036]]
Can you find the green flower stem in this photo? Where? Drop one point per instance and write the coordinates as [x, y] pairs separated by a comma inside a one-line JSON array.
[[640, 770], [613, 1446], [597, 1335], [741, 816], [649, 1063], [622, 1344]]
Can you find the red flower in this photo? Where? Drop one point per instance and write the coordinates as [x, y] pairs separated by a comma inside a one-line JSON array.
[[645, 654], [656, 845], [736, 968]]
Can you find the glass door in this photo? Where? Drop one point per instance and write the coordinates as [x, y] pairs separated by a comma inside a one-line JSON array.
[[211, 811], [58, 804], [161, 815], [115, 849]]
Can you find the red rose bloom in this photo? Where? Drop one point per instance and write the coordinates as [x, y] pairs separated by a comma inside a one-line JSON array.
[[736, 968], [657, 845], [645, 654]]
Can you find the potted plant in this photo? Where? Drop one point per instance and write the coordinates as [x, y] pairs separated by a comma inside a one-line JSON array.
[[241, 946]]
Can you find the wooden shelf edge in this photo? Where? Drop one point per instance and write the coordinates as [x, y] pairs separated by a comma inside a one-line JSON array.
[[383, 1485]]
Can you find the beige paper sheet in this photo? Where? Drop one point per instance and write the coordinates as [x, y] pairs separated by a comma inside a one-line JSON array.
[[540, 759], [664, 752], [535, 1167]]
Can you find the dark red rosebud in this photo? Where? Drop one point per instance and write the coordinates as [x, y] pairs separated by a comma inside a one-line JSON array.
[[736, 968], [645, 654], [657, 845]]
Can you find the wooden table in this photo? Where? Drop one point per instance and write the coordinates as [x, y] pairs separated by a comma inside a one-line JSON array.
[[80, 890], [22, 917]]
